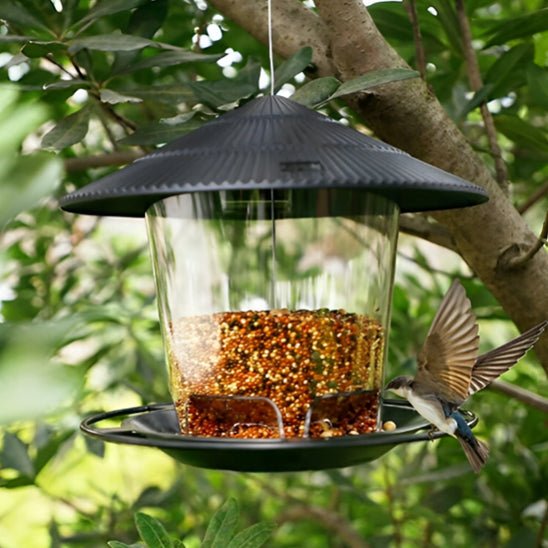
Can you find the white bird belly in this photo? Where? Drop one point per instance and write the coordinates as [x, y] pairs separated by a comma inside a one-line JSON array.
[[433, 413]]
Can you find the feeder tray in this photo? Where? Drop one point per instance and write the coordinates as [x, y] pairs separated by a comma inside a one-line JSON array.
[[157, 426]]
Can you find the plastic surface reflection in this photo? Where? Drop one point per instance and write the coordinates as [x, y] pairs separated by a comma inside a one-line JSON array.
[[274, 309]]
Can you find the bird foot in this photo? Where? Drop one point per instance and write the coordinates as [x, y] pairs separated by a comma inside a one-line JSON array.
[[431, 432]]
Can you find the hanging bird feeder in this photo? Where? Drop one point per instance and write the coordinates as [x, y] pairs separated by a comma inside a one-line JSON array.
[[273, 234]]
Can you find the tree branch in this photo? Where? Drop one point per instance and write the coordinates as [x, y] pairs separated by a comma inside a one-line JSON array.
[[476, 83], [519, 260], [420, 58], [520, 394], [419, 226], [534, 198], [101, 160]]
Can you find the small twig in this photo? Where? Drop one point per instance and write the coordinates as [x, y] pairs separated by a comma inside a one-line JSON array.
[[522, 259], [476, 83], [102, 160], [49, 58], [534, 198], [520, 394], [420, 227], [411, 8], [101, 115]]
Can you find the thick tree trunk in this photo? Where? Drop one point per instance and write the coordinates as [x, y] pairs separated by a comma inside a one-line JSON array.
[[347, 44]]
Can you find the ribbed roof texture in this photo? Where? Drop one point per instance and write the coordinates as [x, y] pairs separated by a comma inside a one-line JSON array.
[[273, 143]]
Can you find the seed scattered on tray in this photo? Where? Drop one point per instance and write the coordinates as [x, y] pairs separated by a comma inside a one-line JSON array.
[[279, 373]]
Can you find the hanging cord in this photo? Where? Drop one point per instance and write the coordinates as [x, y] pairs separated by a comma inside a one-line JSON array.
[[270, 48]]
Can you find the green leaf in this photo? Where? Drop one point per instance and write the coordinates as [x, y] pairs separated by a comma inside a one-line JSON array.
[[68, 131], [65, 84], [178, 543], [372, 79], [507, 73], [35, 49], [170, 94], [33, 178], [316, 92], [8, 38], [252, 537], [115, 41], [222, 92], [152, 532], [517, 27], [108, 7], [50, 449], [13, 12], [160, 132], [113, 97], [537, 79], [222, 526], [144, 21], [292, 66], [118, 544], [15, 455], [170, 58], [527, 137], [447, 18]]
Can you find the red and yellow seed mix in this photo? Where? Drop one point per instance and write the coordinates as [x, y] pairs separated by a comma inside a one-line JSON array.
[[326, 363]]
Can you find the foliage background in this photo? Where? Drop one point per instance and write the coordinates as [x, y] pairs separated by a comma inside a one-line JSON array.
[[79, 325]]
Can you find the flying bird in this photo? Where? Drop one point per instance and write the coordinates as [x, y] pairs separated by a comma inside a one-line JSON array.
[[450, 370]]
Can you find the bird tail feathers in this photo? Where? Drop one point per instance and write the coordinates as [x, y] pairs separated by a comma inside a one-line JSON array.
[[476, 452]]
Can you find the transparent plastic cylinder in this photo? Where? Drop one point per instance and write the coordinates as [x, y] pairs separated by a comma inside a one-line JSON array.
[[275, 308]]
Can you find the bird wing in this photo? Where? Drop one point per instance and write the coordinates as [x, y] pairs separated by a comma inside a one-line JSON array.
[[494, 363], [451, 348]]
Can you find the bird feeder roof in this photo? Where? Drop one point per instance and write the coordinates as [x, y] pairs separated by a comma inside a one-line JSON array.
[[273, 143]]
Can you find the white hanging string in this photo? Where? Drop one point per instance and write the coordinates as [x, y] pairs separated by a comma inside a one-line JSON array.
[[270, 48]]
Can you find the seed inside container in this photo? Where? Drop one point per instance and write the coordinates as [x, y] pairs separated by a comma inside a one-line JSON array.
[[278, 373]]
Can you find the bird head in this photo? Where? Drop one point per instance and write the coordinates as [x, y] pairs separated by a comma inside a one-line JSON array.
[[400, 386]]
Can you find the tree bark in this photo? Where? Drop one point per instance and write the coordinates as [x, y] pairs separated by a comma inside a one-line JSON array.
[[406, 114]]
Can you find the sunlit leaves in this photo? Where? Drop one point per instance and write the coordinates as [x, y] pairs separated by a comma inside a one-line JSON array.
[[25, 180], [152, 532], [32, 178], [220, 533]]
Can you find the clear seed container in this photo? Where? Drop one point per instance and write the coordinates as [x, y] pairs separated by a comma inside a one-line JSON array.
[[274, 306]]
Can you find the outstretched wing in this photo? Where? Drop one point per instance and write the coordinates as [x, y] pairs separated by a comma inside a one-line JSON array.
[[450, 350], [494, 363]]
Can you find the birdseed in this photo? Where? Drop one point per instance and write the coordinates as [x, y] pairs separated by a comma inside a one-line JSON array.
[[277, 373]]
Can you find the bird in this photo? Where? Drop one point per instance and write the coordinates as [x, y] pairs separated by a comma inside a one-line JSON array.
[[449, 370]]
